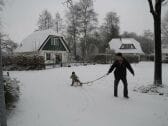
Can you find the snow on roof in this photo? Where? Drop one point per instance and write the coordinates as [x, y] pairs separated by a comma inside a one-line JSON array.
[[35, 40], [116, 43]]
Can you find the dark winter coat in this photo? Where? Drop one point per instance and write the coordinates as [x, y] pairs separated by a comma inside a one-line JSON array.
[[120, 69], [74, 77]]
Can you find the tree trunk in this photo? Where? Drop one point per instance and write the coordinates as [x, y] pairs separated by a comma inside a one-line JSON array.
[[74, 44], [158, 54], [85, 49], [158, 44], [156, 12], [2, 97], [74, 30], [85, 41]]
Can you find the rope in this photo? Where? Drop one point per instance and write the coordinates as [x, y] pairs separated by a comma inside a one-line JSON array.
[[95, 79]]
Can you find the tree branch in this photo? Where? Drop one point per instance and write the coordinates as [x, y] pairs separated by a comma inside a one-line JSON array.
[[164, 2], [151, 7]]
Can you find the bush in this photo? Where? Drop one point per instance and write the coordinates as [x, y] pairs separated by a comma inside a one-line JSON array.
[[98, 59], [11, 88], [147, 58], [23, 62], [132, 58], [152, 89], [102, 59]]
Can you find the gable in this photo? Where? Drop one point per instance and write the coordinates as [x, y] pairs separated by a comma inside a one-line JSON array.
[[54, 43]]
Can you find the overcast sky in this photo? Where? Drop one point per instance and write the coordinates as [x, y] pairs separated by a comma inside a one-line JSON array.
[[20, 16]]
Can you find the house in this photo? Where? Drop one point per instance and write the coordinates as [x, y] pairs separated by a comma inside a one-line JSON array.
[[46, 43], [126, 46]]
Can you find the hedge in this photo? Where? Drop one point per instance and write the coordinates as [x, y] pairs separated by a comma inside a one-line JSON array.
[[23, 62], [109, 58], [132, 58]]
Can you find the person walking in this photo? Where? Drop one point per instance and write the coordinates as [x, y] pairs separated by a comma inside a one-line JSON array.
[[120, 73]]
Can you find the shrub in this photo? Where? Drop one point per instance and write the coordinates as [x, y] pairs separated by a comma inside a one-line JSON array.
[[109, 58], [11, 88], [132, 58], [102, 59], [147, 58], [23, 62], [98, 59]]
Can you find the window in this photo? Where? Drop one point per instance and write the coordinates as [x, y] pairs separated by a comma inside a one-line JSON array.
[[133, 47], [127, 46], [55, 41], [48, 56], [52, 41]]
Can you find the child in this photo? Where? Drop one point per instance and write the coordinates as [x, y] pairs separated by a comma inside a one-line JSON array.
[[75, 79]]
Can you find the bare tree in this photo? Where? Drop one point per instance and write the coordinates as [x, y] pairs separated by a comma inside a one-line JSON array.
[[58, 23], [112, 24], [73, 17], [45, 20], [155, 10], [88, 21], [110, 27], [8, 45], [1, 8]]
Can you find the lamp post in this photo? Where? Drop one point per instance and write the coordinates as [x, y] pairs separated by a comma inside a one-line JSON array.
[[3, 121]]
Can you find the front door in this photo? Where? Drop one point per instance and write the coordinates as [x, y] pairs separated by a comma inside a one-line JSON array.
[[58, 58]]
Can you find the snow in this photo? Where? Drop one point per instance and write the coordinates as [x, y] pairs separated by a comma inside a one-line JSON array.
[[116, 43], [48, 99], [35, 40]]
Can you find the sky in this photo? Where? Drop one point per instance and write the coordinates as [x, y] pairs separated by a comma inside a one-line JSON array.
[[20, 17]]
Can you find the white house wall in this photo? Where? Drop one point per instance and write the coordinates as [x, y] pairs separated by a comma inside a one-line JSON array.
[[64, 54]]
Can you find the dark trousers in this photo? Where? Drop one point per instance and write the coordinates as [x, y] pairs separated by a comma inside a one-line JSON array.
[[116, 82]]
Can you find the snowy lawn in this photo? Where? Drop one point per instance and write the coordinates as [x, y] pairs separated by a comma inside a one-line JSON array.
[[47, 99]]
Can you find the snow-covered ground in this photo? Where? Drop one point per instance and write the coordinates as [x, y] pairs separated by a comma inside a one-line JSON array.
[[47, 99]]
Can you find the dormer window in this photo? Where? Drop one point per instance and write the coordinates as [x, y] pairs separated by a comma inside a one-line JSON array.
[[55, 41], [127, 46]]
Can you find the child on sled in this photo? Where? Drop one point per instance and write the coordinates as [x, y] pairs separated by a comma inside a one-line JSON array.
[[75, 79]]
